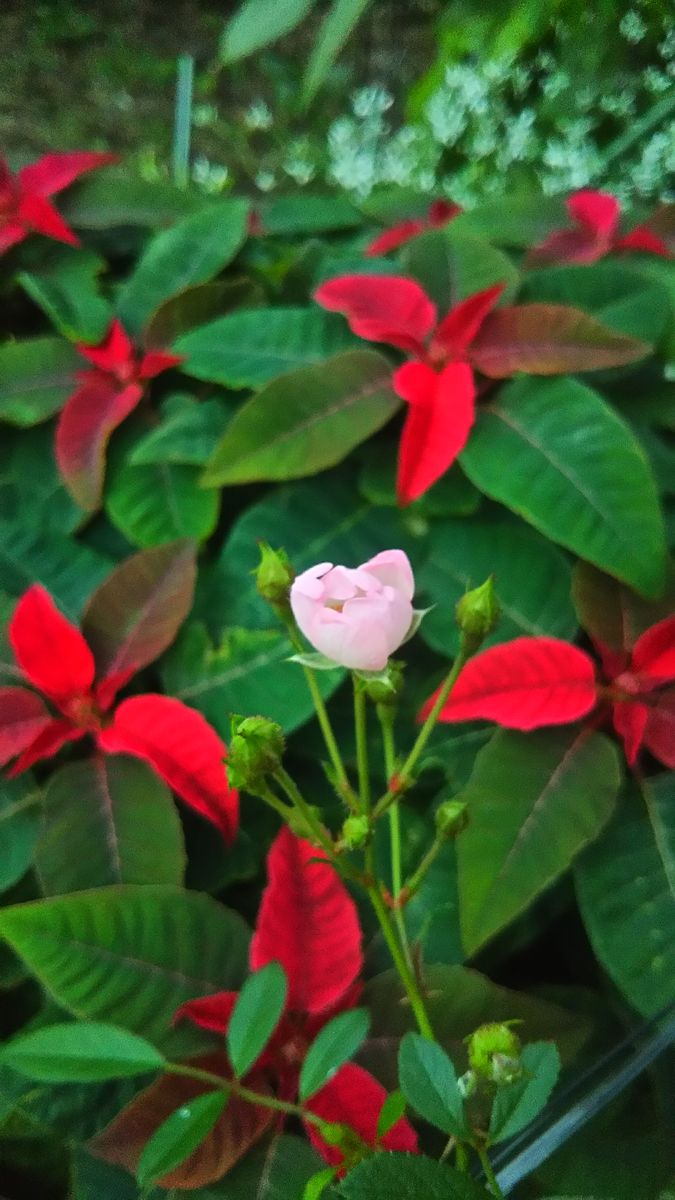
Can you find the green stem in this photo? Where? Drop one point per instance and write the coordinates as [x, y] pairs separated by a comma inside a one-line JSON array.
[[427, 729], [461, 1157], [344, 787], [416, 879], [489, 1173], [284, 810], [361, 745], [296, 797], [234, 1088], [385, 714], [406, 974]]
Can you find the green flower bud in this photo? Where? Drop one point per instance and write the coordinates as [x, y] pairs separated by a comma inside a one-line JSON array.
[[451, 818], [478, 612], [494, 1053], [256, 750], [274, 576], [385, 688], [355, 832]]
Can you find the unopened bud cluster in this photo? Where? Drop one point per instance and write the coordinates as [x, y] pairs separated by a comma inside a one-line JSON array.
[[494, 1054], [256, 751]]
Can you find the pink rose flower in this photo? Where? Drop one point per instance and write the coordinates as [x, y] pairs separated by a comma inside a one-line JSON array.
[[356, 616]]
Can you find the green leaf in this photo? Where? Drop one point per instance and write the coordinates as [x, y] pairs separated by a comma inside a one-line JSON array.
[[391, 1112], [131, 954], [549, 339], [517, 844], [626, 889], [452, 495], [516, 1104], [179, 1135], [554, 452], [192, 252], [34, 499], [67, 291], [249, 348], [81, 1052], [398, 1176], [108, 820], [532, 579], [519, 220], [610, 612], [306, 421], [255, 1016], [248, 672], [257, 23], [308, 214], [429, 1083], [616, 293], [337, 1042], [452, 265], [136, 613], [337, 25], [188, 433], [19, 825], [93, 1179], [275, 1171], [195, 306], [66, 568], [113, 199], [317, 1185], [159, 502], [36, 377]]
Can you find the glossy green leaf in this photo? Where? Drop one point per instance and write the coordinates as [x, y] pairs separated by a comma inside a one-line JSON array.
[[534, 801], [108, 820], [316, 1186], [275, 1171], [554, 452], [429, 1083], [68, 570], [256, 23], [178, 1136], [159, 502], [308, 214], [195, 306], [247, 672], [306, 421], [610, 612], [338, 23], [255, 1016], [249, 348], [336, 1043], [626, 889], [532, 580], [80, 1052], [191, 252], [129, 954], [392, 1110], [34, 499], [451, 266], [397, 1176], [117, 198], [68, 292], [520, 220], [19, 825], [36, 377], [616, 292], [516, 1104], [188, 433], [451, 496]]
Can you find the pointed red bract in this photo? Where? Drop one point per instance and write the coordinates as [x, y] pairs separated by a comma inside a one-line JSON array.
[[456, 331], [24, 207], [659, 734], [630, 721], [54, 172], [114, 354], [438, 214], [382, 308], [439, 419], [596, 211], [155, 362], [642, 239], [39, 216], [354, 1098], [654, 653], [83, 432], [53, 737], [307, 922], [595, 233], [523, 684], [23, 717], [183, 748], [50, 651], [209, 1012]]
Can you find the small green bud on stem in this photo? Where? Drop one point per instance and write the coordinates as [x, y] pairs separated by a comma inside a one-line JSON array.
[[451, 818], [478, 612], [274, 576], [494, 1053], [355, 832], [256, 751]]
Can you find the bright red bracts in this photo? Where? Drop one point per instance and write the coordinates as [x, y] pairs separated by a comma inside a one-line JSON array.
[[533, 682], [309, 924], [439, 213], [55, 658], [24, 204], [107, 394], [594, 233]]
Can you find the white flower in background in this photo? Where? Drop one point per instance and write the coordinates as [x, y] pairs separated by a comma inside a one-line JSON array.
[[656, 81], [371, 101], [632, 27], [265, 180], [204, 114], [258, 115]]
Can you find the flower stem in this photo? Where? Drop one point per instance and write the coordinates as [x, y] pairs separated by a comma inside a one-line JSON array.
[[385, 714], [407, 976], [417, 878], [489, 1173], [233, 1088], [427, 729], [344, 787], [361, 745]]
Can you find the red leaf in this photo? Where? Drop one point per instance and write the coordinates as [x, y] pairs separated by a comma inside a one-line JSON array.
[[643, 239], [85, 425], [240, 1127], [659, 735], [22, 717], [630, 721], [11, 233], [183, 748], [137, 611], [549, 339], [50, 651], [392, 238], [568, 246], [47, 743], [382, 308], [654, 652], [307, 922], [54, 172], [114, 352], [441, 413], [442, 211], [38, 215], [456, 331], [209, 1012], [596, 211], [354, 1098], [523, 684], [156, 361]]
